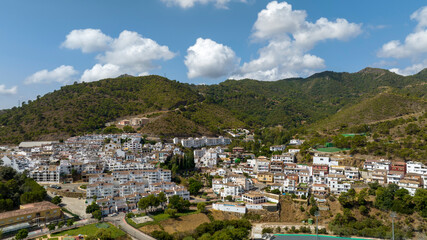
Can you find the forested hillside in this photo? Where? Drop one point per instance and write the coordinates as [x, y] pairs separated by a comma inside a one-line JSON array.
[[85, 107], [292, 102], [192, 110]]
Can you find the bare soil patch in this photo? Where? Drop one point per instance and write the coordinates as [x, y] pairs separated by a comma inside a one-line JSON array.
[[184, 224]]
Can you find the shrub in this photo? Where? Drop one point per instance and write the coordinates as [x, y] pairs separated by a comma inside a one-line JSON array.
[[61, 224], [51, 226], [267, 230]]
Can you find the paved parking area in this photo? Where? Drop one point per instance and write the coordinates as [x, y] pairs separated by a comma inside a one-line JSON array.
[[74, 205]]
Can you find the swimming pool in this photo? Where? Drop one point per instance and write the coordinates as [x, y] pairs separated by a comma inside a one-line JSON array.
[[311, 237]]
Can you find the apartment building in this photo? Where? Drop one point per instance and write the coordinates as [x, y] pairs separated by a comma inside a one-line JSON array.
[[201, 142], [100, 190], [46, 174], [284, 157], [254, 198]]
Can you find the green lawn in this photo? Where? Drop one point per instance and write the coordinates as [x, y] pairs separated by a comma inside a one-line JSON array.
[[90, 230], [332, 149]]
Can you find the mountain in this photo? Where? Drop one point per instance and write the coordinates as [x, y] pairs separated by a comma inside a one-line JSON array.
[[383, 106], [297, 101], [84, 107], [192, 110]]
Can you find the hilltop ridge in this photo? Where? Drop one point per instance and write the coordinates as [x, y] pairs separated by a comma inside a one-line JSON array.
[[204, 109]]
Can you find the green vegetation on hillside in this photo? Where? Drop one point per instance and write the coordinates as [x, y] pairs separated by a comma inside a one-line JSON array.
[[85, 107], [401, 138], [17, 189], [292, 102], [363, 217], [190, 110], [380, 107]]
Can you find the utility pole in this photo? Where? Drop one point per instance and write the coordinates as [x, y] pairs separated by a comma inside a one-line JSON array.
[[392, 215], [317, 214]]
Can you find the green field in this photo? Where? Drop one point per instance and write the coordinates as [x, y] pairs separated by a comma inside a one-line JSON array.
[[332, 149], [92, 229]]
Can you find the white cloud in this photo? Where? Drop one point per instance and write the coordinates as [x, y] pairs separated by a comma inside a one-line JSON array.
[[421, 17], [290, 37], [191, 3], [5, 91], [410, 70], [277, 19], [62, 74], [88, 40], [100, 72], [280, 60], [324, 29], [134, 53], [415, 44], [206, 58], [129, 53], [414, 47]]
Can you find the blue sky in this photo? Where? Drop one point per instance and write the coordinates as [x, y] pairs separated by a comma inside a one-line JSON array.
[[47, 44]]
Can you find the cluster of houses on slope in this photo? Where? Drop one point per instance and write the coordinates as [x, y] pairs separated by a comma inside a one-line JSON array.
[[121, 190], [324, 177], [408, 175], [127, 157], [134, 175], [54, 162]]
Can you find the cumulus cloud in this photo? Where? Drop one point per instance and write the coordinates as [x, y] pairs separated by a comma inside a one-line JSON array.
[[134, 53], [278, 60], [100, 72], [277, 19], [421, 17], [62, 74], [207, 58], [8, 91], [289, 39], [415, 44], [88, 40], [414, 47], [191, 3], [129, 53]]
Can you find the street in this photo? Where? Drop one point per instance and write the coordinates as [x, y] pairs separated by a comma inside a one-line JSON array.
[[120, 222]]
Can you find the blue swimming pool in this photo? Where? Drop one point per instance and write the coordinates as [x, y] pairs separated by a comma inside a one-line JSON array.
[[310, 237]]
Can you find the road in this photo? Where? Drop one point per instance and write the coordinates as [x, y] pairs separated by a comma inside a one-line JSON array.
[[78, 207], [120, 221]]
